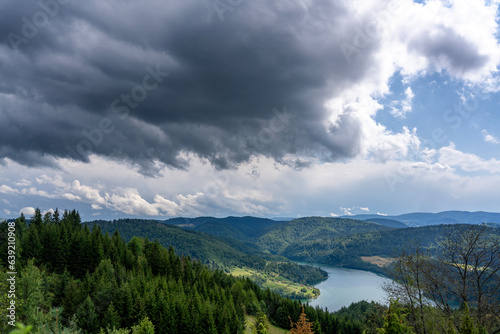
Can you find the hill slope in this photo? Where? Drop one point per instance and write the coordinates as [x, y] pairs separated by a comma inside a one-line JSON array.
[[387, 222], [241, 228], [206, 248], [226, 253], [310, 229], [347, 250]]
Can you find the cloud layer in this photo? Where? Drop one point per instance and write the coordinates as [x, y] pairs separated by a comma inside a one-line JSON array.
[[187, 88], [93, 78]]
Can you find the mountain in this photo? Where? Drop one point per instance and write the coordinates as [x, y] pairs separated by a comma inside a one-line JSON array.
[[206, 248], [349, 250], [277, 239], [240, 228], [445, 217], [217, 252], [387, 222]]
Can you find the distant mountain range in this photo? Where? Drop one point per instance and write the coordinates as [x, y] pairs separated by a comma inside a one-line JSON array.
[[447, 217], [351, 241]]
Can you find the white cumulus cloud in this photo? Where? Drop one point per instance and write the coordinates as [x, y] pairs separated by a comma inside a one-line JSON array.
[[489, 138]]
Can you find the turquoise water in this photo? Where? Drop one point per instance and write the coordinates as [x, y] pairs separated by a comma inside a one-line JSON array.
[[345, 286]]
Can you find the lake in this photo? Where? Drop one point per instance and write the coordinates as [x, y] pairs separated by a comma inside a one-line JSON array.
[[345, 286]]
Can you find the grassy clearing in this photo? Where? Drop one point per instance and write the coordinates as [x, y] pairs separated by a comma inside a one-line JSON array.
[[246, 272], [292, 288], [277, 283], [272, 329], [377, 260]]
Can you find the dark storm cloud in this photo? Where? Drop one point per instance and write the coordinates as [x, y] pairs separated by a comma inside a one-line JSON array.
[[224, 79], [445, 45]]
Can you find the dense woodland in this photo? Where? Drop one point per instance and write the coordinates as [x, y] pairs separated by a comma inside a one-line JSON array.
[[346, 250], [72, 279], [214, 251]]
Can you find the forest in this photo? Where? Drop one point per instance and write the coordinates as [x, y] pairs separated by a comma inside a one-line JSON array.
[[76, 280], [219, 252]]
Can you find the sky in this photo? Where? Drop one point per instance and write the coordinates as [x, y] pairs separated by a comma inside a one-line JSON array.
[[159, 109]]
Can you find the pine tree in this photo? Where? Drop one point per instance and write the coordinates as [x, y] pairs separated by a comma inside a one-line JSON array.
[[55, 217], [86, 317], [144, 327], [47, 218], [32, 247], [72, 299], [37, 219], [394, 322], [467, 325], [29, 288], [208, 322], [111, 318], [261, 325], [302, 326]]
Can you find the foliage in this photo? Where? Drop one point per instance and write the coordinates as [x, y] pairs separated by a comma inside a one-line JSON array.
[[464, 270], [302, 326], [144, 327], [313, 229], [467, 325], [21, 329], [394, 322], [261, 325]]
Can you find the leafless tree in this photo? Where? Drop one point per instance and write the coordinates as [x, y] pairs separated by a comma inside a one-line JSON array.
[[465, 268]]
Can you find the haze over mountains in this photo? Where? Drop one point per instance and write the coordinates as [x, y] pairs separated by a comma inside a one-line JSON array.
[[445, 217], [413, 219]]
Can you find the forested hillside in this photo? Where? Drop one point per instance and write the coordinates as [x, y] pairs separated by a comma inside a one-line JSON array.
[[241, 228], [72, 279], [208, 249], [387, 222], [311, 229], [216, 252], [347, 250]]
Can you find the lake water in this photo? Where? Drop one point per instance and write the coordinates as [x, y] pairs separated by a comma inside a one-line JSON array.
[[345, 286]]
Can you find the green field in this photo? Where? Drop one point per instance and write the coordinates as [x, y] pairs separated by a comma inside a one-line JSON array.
[[277, 283], [272, 329]]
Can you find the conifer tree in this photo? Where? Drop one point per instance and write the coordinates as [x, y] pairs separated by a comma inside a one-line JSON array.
[[111, 318], [208, 323], [261, 325], [55, 217], [467, 325], [302, 326], [144, 327], [47, 218], [29, 289], [32, 246], [72, 299], [37, 219], [394, 322], [86, 317]]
